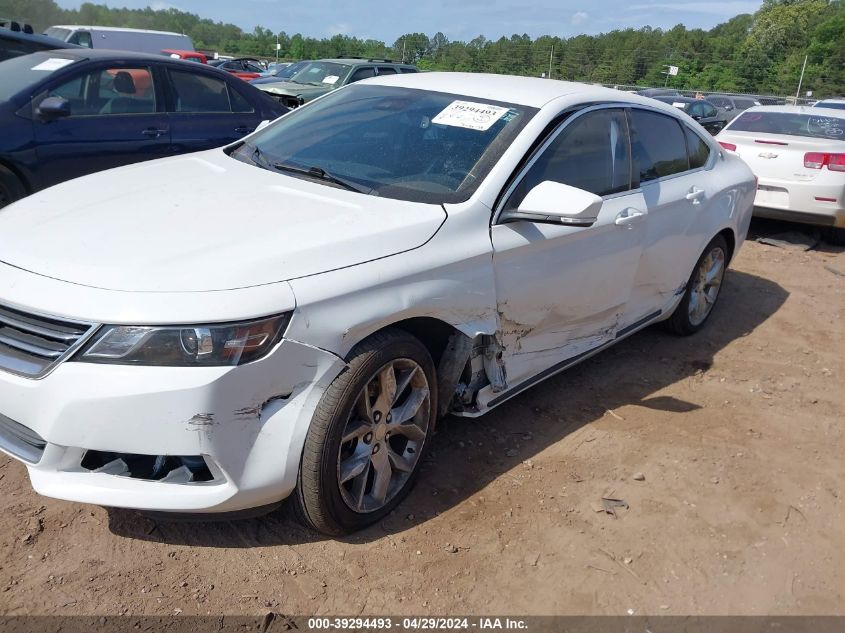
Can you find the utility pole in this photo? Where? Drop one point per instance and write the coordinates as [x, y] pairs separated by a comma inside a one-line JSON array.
[[801, 80], [403, 50], [278, 46], [551, 58]]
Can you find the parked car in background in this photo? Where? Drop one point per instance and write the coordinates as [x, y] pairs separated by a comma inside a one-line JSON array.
[[704, 112], [291, 314], [658, 92], [731, 105], [836, 104], [191, 56], [16, 43], [798, 155], [120, 39], [317, 78], [70, 112], [243, 68], [274, 67], [766, 101], [280, 74]]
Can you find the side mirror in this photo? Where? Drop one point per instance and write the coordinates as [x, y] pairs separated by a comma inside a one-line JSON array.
[[728, 108], [53, 108], [555, 203], [262, 125]]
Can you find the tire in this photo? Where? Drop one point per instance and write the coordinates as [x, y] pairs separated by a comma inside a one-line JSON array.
[[834, 235], [686, 321], [11, 188], [330, 497]]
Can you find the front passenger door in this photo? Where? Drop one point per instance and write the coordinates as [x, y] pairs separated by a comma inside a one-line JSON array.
[[116, 118], [563, 290]]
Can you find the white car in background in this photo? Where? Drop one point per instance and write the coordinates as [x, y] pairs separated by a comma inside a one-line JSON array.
[[401, 248], [798, 155], [836, 104]]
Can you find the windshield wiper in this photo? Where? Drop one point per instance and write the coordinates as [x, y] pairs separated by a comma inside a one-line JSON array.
[[322, 174]]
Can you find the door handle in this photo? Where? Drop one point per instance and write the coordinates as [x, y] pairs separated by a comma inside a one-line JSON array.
[[629, 216], [695, 195], [244, 129], [153, 132]]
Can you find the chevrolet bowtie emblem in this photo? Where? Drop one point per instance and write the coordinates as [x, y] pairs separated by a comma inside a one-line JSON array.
[[767, 155]]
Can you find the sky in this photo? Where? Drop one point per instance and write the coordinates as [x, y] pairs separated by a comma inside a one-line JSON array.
[[457, 19]]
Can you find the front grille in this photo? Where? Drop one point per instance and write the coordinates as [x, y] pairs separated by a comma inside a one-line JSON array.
[[20, 441], [31, 344]]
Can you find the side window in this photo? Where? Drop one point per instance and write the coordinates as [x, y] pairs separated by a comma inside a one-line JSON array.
[[83, 38], [590, 153], [386, 70], [198, 93], [109, 91], [657, 145], [698, 150], [696, 109], [252, 68], [709, 110], [719, 102], [362, 73], [408, 70], [238, 101]]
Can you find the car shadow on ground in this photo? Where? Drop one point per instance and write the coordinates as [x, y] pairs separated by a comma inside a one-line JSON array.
[[468, 454]]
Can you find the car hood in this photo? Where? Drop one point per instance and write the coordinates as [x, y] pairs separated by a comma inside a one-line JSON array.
[[203, 222], [291, 88]]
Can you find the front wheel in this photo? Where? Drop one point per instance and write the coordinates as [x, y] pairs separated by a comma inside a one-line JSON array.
[[368, 435], [702, 289]]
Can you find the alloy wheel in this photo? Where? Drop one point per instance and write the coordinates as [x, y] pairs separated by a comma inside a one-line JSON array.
[[706, 285], [384, 435]]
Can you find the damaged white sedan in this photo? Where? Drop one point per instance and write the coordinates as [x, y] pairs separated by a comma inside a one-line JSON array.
[[290, 315]]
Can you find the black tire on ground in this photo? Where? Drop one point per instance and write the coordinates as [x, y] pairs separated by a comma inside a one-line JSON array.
[[834, 235], [11, 188], [680, 322], [317, 499]]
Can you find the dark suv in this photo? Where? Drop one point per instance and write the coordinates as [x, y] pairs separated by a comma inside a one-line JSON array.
[[319, 77], [702, 111], [732, 106]]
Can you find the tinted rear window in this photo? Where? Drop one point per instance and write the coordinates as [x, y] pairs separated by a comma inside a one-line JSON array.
[[791, 123], [658, 145]]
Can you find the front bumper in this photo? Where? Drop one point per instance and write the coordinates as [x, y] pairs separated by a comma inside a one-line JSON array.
[[248, 423]]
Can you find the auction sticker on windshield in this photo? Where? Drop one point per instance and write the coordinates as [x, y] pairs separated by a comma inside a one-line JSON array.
[[473, 116], [330, 79], [54, 63]]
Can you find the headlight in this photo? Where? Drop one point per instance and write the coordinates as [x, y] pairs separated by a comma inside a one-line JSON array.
[[185, 345]]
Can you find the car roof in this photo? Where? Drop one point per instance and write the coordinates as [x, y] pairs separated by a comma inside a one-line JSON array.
[[81, 52], [832, 101], [810, 110], [351, 61], [111, 28], [528, 91], [678, 99], [20, 36]]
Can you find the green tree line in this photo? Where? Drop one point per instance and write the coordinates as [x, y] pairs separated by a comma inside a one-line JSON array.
[[761, 53]]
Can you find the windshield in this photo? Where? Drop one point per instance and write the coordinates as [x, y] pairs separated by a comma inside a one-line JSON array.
[[60, 34], [393, 142], [19, 73], [289, 71], [790, 123], [321, 73]]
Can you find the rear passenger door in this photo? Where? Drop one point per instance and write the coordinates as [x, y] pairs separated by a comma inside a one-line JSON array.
[[116, 117], [205, 111], [671, 166]]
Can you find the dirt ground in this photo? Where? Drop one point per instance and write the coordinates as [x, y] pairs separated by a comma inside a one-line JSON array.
[[727, 447]]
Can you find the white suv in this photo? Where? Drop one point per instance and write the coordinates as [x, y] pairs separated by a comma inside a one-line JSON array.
[[291, 314]]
